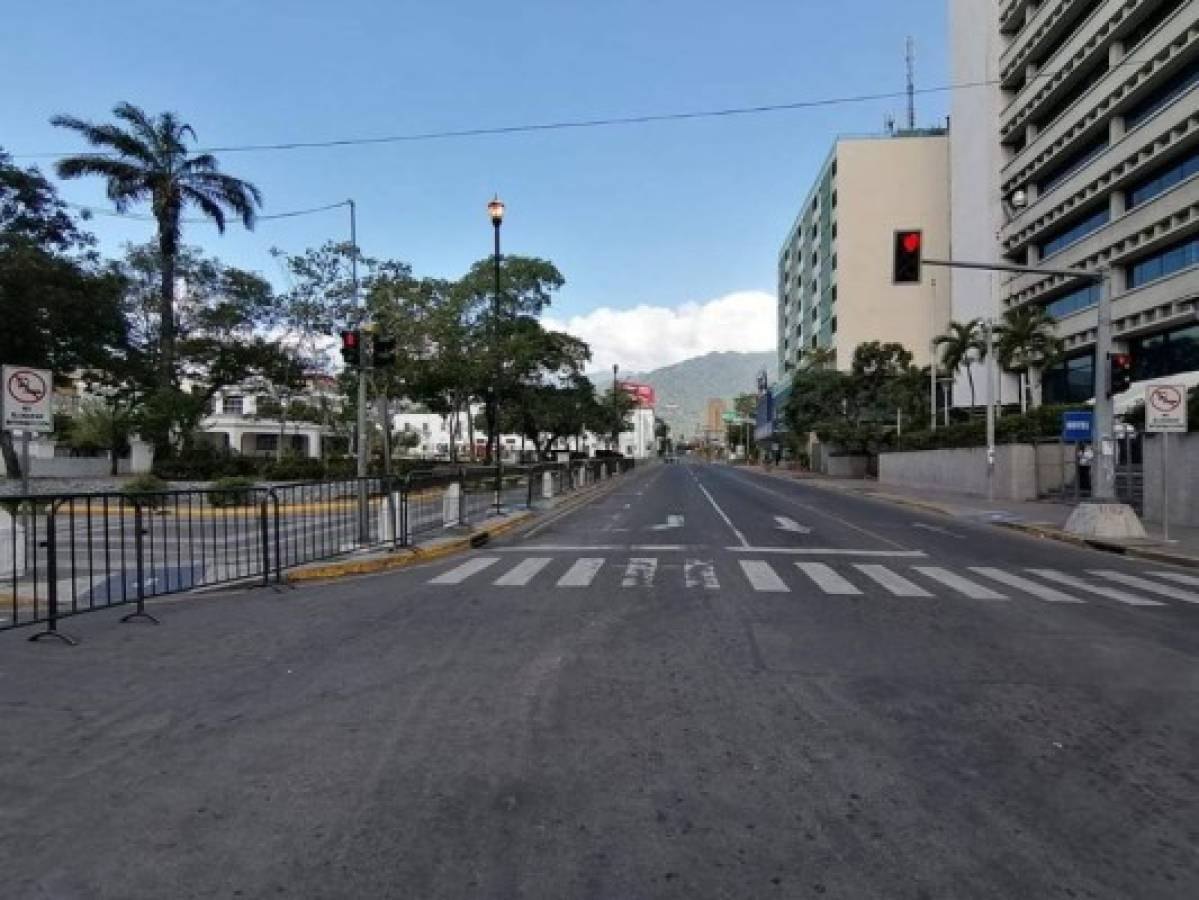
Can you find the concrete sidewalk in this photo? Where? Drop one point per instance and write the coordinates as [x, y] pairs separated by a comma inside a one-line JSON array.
[[1044, 518]]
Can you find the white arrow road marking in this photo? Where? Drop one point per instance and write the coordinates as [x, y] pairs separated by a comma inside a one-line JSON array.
[[640, 572], [671, 522], [700, 573], [791, 525]]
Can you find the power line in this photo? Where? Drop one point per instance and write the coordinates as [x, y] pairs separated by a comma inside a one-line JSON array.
[[610, 122], [140, 217]]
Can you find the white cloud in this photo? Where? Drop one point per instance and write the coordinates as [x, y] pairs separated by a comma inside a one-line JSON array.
[[647, 337]]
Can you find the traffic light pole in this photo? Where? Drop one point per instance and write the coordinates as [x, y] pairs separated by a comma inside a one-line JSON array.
[[364, 522]]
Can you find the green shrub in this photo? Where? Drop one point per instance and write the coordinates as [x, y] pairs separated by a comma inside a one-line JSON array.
[[232, 490], [147, 490]]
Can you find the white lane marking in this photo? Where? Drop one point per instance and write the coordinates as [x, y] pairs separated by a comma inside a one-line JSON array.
[[828, 580], [1053, 595], [640, 572], [962, 585], [1145, 584], [786, 524], [466, 570], [720, 512], [1177, 576], [582, 573], [830, 551], [584, 548], [762, 578], [700, 573], [921, 525], [671, 522], [1079, 584], [895, 583], [523, 572]]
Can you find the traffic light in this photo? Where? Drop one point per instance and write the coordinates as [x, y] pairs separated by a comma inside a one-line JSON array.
[[351, 348], [384, 351], [1119, 373], [909, 253]]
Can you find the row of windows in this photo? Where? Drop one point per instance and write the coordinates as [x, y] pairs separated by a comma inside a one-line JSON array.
[[1080, 299], [1073, 163], [1163, 96], [1069, 98], [1157, 356], [1150, 24], [1161, 180], [1164, 262], [1076, 232]]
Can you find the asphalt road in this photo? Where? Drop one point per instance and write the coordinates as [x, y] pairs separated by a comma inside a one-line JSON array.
[[708, 684]]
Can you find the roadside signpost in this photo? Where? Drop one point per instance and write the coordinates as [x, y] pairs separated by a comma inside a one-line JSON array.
[[25, 395], [1166, 414], [1078, 427]]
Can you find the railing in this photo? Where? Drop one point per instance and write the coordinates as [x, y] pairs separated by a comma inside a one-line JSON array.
[[67, 554]]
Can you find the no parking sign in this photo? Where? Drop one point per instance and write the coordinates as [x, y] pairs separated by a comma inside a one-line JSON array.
[[27, 399], [1166, 408]]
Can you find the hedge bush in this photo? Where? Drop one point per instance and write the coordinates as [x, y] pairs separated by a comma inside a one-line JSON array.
[[235, 490]]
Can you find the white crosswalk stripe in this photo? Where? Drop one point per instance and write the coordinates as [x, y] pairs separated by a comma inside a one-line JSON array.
[[1053, 595], [828, 580], [582, 573], [466, 570], [971, 589], [1145, 584], [1177, 576], [893, 582], [1102, 591], [700, 573], [762, 578], [640, 572], [523, 572]]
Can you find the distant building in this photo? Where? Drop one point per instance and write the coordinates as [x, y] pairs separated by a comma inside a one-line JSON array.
[[251, 419], [714, 415], [835, 287]]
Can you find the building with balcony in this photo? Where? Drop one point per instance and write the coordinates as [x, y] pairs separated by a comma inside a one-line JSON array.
[[835, 288], [1078, 147]]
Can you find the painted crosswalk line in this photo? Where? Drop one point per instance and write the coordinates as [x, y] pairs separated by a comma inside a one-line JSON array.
[[828, 580], [1100, 590], [640, 572], [762, 578], [965, 586], [1177, 576], [1145, 584], [582, 572], [892, 581], [523, 572], [699, 573], [466, 570], [1040, 591]]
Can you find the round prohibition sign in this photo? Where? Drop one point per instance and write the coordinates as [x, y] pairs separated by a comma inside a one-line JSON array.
[[26, 387], [1165, 399]]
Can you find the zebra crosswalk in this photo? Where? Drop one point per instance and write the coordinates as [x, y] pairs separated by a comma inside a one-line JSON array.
[[846, 580]]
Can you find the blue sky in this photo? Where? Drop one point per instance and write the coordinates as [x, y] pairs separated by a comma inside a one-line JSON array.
[[652, 216]]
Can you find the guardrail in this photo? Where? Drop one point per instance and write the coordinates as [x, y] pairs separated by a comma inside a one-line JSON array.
[[67, 554]]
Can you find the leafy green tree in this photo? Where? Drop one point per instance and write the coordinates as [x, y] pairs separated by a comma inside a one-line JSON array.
[[147, 158], [60, 305], [612, 414], [960, 347], [1026, 343], [101, 425]]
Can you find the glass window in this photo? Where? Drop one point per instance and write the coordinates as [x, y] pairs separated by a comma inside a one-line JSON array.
[[1046, 116], [1076, 300], [1167, 353], [1151, 23], [1164, 262], [1072, 234], [1161, 180], [1070, 381], [233, 404], [1163, 96], [1073, 163]]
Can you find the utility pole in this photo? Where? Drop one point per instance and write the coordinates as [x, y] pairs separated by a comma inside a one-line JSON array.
[[989, 336], [364, 523], [1103, 487], [932, 361], [615, 410]]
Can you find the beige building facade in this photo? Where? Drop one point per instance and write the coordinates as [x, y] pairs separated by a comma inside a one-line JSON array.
[[835, 268]]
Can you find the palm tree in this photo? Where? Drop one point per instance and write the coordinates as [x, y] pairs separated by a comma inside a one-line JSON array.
[[1026, 343], [962, 344], [146, 158]]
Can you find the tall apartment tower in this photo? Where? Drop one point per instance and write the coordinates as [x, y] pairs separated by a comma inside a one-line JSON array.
[[835, 287], [1076, 145]]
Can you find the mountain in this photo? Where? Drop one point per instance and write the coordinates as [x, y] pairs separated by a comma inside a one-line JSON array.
[[683, 389]]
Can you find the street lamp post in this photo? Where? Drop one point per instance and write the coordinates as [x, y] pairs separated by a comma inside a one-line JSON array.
[[615, 409], [495, 209]]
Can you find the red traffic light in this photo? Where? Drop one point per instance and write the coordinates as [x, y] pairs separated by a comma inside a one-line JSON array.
[[911, 241], [349, 339], [908, 256]]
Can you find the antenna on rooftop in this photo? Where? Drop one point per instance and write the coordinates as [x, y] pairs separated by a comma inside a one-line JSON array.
[[911, 84]]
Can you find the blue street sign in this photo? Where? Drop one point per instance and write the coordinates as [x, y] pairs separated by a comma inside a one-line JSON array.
[[1078, 427]]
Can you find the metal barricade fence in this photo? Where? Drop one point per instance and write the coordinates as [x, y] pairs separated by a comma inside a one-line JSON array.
[[67, 554]]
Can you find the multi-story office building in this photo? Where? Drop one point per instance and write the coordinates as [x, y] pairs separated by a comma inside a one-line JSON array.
[[835, 281], [1078, 146]]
